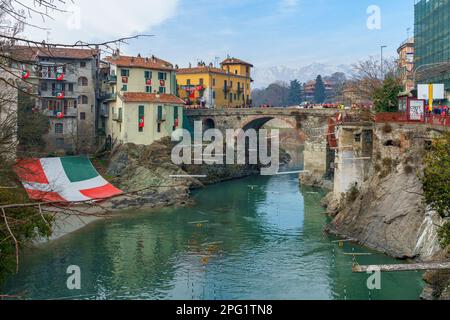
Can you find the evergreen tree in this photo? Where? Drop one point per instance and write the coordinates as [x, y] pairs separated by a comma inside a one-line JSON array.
[[319, 90], [386, 97], [294, 95]]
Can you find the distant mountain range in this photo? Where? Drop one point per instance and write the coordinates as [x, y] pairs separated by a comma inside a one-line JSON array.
[[265, 76]]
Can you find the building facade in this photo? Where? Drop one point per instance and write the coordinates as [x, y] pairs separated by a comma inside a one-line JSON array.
[[226, 87], [65, 81], [140, 105], [432, 41], [8, 115], [406, 64]]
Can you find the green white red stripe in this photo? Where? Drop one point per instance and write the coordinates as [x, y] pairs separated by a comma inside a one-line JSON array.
[[68, 179]]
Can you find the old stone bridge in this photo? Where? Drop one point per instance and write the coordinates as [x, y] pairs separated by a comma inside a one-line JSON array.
[[313, 124]]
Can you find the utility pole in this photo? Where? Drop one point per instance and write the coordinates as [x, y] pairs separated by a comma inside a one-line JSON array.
[[381, 65]]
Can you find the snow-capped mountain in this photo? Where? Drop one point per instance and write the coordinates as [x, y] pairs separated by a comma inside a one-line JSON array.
[[265, 76]]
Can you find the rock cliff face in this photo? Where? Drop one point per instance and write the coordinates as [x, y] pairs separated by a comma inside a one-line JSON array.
[[387, 212], [148, 170]]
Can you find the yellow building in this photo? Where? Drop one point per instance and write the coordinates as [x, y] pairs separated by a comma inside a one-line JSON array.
[[226, 87], [140, 104]]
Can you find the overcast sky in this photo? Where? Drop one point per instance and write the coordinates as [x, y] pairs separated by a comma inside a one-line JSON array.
[[292, 33]]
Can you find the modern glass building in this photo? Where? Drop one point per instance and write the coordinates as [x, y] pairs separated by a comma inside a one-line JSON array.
[[432, 41]]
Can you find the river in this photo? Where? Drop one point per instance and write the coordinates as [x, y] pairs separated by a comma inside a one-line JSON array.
[[254, 238]]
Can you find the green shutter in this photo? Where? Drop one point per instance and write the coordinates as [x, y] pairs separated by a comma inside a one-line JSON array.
[[141, 111], [159, 113], [175, 113]]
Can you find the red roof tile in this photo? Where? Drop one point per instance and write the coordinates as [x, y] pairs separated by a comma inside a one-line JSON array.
[[151, 97], [26, 54], [235, 61], [200, 70], [139, 62]]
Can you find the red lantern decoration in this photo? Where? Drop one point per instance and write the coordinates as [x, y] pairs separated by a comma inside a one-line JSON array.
[[125, 79], [148, 82], [60, 76], [60, 95], [25, 74], [141, 122], [162, 83], [59, 115]]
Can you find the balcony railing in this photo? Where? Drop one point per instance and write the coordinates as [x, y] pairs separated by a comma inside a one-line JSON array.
[[71, 112], [111, 79], [109, 96]]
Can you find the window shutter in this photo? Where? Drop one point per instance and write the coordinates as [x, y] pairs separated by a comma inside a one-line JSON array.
[[159, 113], [175, 112]]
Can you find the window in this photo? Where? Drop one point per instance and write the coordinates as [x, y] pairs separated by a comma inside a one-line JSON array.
[[162, 89], [201, 81], [188, 82], [235, 97], [59, 128], [82, 116], [148, 89], [231, 97], [175, 112], [159, 116], [44, 86], [231, 84], [214, 94], [83, 64], [75, 103], [235, 71], [83, 100], [124, 87], [214, 82], [162, 76], [148, 74], [140, 116], [124, 72], [82, 81], [71, 87]]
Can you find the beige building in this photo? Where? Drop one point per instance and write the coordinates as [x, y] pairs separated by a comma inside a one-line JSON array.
[[406, 64], [65, 79], [140, 105]]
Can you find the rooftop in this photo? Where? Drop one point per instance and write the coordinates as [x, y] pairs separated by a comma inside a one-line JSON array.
[[200, 69], [139, 62], [26, 53], [151, 97], [235, 61]]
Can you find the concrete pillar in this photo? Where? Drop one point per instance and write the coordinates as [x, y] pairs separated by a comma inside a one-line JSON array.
[[315, 158]]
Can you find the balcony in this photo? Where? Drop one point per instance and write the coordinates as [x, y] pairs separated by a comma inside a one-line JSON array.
[[109, 96], [104, 111], [70, 112], [111, 79]]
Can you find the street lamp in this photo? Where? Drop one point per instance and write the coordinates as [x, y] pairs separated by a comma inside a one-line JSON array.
[[381, 65]]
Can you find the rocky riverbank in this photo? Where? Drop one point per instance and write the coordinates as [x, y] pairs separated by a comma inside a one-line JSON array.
[[387, 212]]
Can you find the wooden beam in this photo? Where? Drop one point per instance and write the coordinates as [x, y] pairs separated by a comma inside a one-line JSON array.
[[403, 267]]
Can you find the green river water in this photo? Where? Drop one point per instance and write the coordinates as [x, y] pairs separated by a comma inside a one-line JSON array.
[[260, 238]]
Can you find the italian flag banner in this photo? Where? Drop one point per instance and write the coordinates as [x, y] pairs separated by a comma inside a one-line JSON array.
[[66, 179]]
